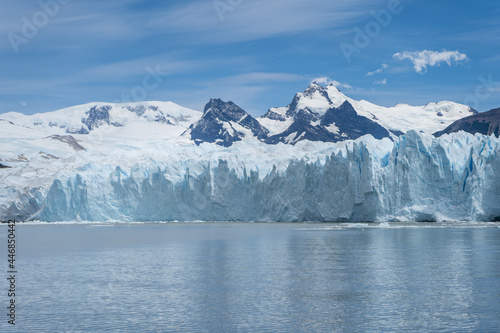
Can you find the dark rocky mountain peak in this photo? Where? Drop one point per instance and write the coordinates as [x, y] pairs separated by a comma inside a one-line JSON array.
[[337, 124], [224, 123]]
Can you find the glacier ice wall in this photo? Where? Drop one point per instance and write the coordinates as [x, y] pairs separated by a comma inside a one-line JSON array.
[[418, 178]]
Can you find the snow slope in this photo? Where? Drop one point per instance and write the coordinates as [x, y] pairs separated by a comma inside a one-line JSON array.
[[123, 119], [403, 117]]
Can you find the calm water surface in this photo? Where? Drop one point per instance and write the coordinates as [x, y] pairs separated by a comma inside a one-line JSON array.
[[220, 277]]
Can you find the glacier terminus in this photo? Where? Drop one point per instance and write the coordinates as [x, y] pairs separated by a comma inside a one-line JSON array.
[[324, 157]]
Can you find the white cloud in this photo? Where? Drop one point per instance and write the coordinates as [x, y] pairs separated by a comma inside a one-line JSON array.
[[381, 82], [23, 104], [378, 71], [325, 80], [422, 59], [257, 19]]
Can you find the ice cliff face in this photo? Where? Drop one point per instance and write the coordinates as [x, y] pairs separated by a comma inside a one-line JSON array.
[[415, 178]]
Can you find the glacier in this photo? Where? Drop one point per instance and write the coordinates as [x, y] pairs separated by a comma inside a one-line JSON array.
[[415, 177]]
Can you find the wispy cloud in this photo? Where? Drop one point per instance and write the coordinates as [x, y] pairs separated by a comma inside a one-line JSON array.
[[494, 58], [382, 82], [126, 69], [77, 23], [422, 59], [91, 23], [482, 30], [259, 55], [378, 71], [259, 19], [325, 80]]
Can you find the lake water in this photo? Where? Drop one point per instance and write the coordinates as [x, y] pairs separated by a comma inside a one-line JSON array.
[[222, 277]]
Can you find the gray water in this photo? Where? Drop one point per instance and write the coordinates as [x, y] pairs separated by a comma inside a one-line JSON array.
[[221, 277]]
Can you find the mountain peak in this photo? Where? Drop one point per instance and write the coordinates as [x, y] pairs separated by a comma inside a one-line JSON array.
[[217, 102], [224, 123], [225, 111], [315, 85], [318, 86]]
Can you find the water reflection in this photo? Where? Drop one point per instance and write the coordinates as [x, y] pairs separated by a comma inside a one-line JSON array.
[[257, 278]]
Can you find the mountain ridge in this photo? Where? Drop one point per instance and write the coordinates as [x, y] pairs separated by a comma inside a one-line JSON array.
[[319, 113], [486, 123]]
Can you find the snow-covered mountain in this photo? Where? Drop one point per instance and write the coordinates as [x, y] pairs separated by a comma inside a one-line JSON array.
[[318, 114], [321, 114], [324, 157], [336, 124], [225, 123], [326, 114], [121, 119]]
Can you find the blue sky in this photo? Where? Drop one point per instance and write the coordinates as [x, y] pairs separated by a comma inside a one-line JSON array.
[[258, 53]]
